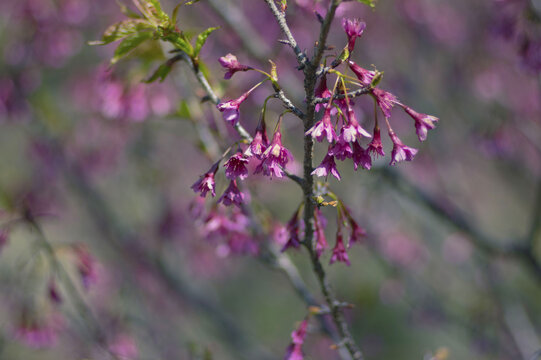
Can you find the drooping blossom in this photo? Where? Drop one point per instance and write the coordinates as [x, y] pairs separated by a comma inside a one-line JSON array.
[[323, 128], [39, 334], [219, 223], [241, 243], [385, 101], [53, 293], [124, 347], [361, 157], [232, 195], [292, 229], [400, 151], [327, 166], [352, 130], [339, 251], [423, 122], [354, 28], [357, 232], [86, 265], [376, 147], [294, 350], [365, 76], [230, 109], [206, 182], [4, 235], [232, 65], [341, 149], [259, 143], [319, 227], [323, 91], [236, 167], [275, 157]]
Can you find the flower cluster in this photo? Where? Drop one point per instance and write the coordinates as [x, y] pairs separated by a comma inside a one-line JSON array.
[[228, 230], [347, 144], [272, 156]]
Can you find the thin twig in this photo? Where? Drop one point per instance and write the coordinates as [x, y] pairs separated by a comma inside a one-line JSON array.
[[350, 95], [288, 104], [302, 59]]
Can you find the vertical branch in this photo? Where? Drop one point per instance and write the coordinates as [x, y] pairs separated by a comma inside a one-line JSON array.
[[310, 78]]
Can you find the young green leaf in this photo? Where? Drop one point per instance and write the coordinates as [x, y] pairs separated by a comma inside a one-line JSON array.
[[152, 10], [174, 16], [162, 71], [127, 11], [121, 30], [201, 39], [371, 3], [130, 43]]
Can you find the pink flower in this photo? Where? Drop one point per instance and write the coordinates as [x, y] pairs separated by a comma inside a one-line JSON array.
[[365, 76], [292, 229], [354, 28], [357, 232], [400, 151], [54, 295], [206, 182], [86, 264], [352, 130], [39, 335], [327, 166], [275, 157], [259, 143], [361, 157], [323, 128], [294, 350], [323, 92], [232, 65], [385, 101], [375, 146], [236, 167], [232, 195], [319, 225], [341, 149], [124, 347], [4, 235], [230, 109], [339, 252], [423, 122]]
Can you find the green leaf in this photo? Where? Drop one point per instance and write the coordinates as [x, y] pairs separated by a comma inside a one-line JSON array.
[[126, 11], [191, 2], [121, 30], [183, 45], [371, 3], [161, 72], [175, 13], [183, 110], [152, 9], [202, 38], [130, 43]]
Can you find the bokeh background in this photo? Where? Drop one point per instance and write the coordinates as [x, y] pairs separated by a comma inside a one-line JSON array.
[[102, 254]]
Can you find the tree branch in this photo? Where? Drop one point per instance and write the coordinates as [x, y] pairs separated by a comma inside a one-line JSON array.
[[454, 217]]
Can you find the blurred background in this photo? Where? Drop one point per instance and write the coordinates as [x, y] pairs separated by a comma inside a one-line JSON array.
[[106, 252]]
